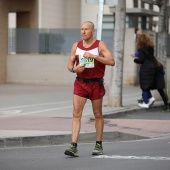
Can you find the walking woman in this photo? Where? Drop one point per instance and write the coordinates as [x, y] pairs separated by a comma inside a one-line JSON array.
[[148, 74]]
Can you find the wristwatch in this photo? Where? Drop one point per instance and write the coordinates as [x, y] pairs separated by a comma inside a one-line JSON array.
[[72, 70]]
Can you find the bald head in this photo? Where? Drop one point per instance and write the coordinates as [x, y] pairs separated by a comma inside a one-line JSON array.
[[89, 22]]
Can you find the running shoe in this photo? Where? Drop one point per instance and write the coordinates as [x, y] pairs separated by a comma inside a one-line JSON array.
[[98, 150], [72, 151], [151, 101], [144, 105]]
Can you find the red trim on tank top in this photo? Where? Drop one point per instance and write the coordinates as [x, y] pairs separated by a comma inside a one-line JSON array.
[[94, 45]]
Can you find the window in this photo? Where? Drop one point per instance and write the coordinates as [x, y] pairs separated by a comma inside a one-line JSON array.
[[108, 21], [132, 21], [139, 22], [135, 3]]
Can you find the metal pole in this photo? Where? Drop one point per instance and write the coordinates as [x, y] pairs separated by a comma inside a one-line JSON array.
[[100, 19]]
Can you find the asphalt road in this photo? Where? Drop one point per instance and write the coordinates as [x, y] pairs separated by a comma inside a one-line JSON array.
[[148, 154]]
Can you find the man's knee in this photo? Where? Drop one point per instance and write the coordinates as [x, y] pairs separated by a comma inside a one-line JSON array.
[[77, 114], [98, 115]]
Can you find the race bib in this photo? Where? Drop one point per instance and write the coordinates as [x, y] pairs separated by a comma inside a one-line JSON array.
[[89, 63]]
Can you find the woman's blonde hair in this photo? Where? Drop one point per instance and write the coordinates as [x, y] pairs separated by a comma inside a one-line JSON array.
[[144, 40]]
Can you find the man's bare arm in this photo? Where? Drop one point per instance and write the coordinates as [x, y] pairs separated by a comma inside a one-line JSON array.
[[72, 57], [71, 63]]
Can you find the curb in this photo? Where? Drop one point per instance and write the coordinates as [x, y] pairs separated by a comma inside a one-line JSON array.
[[83, 137], [61, 139], [131, 111]]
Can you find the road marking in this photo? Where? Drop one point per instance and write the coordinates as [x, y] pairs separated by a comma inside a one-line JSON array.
[[132, 157], [26, 113], [11, 112], [33, 105], [46, 110]]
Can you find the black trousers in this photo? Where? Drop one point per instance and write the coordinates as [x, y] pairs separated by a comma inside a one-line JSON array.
[[163, 95]]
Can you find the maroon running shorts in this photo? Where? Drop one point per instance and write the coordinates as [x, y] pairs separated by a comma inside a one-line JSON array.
[[92, 91]]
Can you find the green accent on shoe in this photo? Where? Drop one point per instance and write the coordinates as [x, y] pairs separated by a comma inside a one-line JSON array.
[[72, 151], [98, 150]]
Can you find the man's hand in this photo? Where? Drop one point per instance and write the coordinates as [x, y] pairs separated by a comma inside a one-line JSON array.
[[88, 55], [79, 68]]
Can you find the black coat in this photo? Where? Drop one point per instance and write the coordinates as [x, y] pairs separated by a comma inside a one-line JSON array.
[[147, 68], [159, 78]]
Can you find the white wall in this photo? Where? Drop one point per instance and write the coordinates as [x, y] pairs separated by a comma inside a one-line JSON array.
[[12, 20], [130, 68], [52, 69], [59, 13], [42, 69]]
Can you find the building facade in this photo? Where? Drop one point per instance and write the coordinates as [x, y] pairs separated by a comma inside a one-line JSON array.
[[62, 14]]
